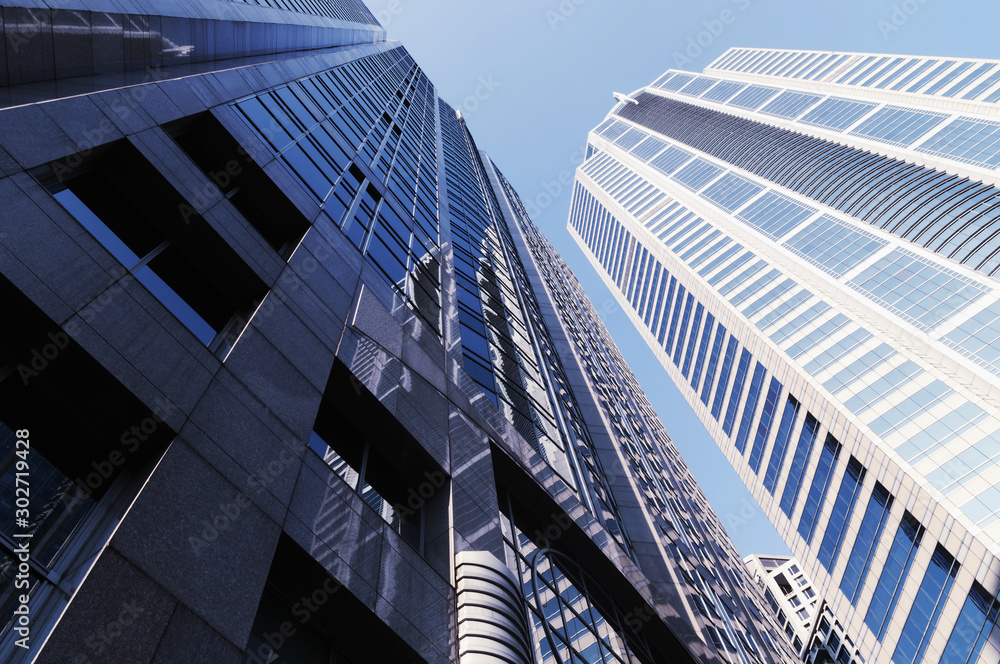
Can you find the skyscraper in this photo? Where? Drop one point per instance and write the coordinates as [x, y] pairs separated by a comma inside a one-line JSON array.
[[809, 243], [289, 375]]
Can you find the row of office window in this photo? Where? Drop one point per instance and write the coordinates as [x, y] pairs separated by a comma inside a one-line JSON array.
[[362, 139], [926, 296], [666, 497], [497, 345], [956, 421], [947, 214], [934, 294], [593, 488], [347, 10], [953, 79], [748, 390], [965, 139]]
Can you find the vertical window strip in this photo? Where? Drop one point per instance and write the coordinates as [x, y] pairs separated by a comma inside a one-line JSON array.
[[860, 559], [797, 468], [713, 364], [753, 396], [737, 393], [890, 583], [781, 440], [843, 508], [817, 492], [764, 427]]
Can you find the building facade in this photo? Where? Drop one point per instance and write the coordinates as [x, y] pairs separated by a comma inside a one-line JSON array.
[[790, 595], [290, 376], [809, 244]]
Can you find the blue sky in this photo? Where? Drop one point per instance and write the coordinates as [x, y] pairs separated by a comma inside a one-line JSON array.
[[534, 76]]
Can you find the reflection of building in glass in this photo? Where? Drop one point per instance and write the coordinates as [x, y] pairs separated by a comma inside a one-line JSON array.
[[809, 243], [303, 383]]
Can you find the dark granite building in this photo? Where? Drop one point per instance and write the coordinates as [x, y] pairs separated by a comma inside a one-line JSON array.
[[288, 375]]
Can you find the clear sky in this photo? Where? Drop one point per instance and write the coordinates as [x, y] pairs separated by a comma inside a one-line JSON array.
[[534, 76]]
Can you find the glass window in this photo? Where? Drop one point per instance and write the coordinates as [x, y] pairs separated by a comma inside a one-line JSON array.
[[753, 97], [927, 606], [791, 104], [843, 508], [893, 576], [750, 408], [764, 427], [838, 114], [817, 492], [860, 559], [713, 363], [972, 628], [737, 392], [781, 439], [797, 468], [727, 368]]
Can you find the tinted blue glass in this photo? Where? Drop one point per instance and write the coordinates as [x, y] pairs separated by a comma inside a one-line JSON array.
[[947, 78], [737, 393], [782, 310], [843, 508], [869, 533], [781, 440], [817, 492], [927, 605], [711, 251], [682, 333], [727, 368], [883, 387], [753, 395], [676, 318], [706, 338], [692, 340], [791, 104], [764, 428], [713, 364], [658, 303], [890, 582], [838, 114], [797, 468], [666, 309], [732, 267], [731, 191], [972, 628], [805, 318], [753, 97]]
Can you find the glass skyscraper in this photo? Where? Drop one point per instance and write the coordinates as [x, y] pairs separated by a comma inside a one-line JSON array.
[[809, 243], [289, 375]]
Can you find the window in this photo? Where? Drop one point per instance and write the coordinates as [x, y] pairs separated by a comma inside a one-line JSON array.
[[61, 429], [927, 606], [979, 614], [374, 455], [238, 177], [843, 507], [131, 209], [817, 492], [324, 630], [866, 543], [890, 583], [797, 468]]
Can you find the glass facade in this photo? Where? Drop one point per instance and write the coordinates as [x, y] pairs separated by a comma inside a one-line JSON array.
[[831, 237]]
